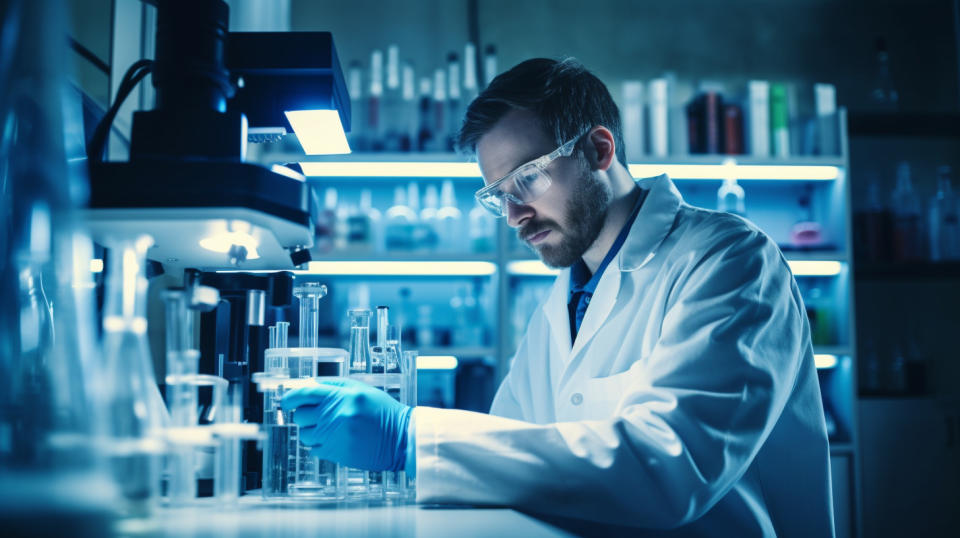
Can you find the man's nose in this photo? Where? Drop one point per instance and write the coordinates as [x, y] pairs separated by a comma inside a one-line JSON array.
[[517, 214]]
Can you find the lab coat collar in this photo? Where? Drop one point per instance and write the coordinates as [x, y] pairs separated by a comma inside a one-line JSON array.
[[649, 229], [652, 224]]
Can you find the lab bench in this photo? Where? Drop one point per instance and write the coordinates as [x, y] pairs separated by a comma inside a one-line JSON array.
[[252, 517]]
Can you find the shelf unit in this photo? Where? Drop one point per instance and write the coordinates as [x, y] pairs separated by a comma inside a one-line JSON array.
[[773, 185]]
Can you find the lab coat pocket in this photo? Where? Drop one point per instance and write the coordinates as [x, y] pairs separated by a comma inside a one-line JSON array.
[[601, 397]]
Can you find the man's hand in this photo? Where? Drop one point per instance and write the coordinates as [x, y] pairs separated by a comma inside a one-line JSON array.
[[352, 423]]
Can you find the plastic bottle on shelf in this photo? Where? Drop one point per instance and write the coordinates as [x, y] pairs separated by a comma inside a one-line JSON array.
[[439, 115], [454, 104], [459, 330], [373, 222], [450, 218], [374, 105], [408, 111], [905, 206], [806, 232], [429, 231], [490, 69], [884, 94], [400, 222], [392, 102], [425, 326], [425, 121], [469, 74], [779, 121], [943, 220], [483, 227], [731, 198]]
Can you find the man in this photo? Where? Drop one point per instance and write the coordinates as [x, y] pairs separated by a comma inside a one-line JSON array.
[[667, 382]]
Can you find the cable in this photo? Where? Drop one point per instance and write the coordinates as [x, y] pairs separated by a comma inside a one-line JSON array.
[[131, 78]]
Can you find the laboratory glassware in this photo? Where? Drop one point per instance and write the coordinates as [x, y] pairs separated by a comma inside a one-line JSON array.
[[944, 223], [905, 206], [449, 219], [363, 364], [408, 365], [731, 198], [137, 412], [50, 407], [314, 477]]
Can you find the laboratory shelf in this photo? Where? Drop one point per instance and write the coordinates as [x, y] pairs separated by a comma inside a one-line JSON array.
[[401, 166], [905, 125], [908, 271]]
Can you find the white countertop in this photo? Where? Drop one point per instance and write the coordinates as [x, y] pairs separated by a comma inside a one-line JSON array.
[[252, 517]]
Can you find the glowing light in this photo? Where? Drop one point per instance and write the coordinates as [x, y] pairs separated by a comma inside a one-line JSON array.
[[787, 172], [741, 172], [825, 361], [391, 169], [237, 233], [530, 268], [96, 265], [815, 268], [286, 171], [319, 131], [799, 268], [436, 362], [401, 268]]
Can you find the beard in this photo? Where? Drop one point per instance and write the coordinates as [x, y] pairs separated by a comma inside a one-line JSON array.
[[585, 214]]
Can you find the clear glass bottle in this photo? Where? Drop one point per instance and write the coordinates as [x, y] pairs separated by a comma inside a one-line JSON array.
[[137, 413], [375, 126], [483, 227], [731, 198], [884, 94], [905, 206], [449, 219], [358, 132], [429, 229], [400, 222], [943, 220]]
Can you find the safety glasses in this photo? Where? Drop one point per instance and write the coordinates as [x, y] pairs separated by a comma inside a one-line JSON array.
[[525, 184]]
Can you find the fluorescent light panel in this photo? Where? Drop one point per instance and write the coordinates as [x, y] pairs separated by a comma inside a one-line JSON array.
[[436, 362], [825, 361], [391, 169], [799, 268], [401, 268], [319, 131], [815, 268], [472, 170]]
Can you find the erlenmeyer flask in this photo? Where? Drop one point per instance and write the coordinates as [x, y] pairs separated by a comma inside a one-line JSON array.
[[136, 412]]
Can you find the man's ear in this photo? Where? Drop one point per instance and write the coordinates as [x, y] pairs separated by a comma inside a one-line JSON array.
[[602, 150]]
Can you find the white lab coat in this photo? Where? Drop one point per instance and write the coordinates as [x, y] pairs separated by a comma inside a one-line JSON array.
[[689, 401]]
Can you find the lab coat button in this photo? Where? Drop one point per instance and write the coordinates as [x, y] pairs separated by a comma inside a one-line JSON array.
[[576, 399]]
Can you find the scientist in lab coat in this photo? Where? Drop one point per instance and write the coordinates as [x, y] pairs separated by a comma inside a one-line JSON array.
[[667, 381]]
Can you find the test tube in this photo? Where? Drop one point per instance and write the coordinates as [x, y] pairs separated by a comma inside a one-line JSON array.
[[226, 479], [409, 367], [182, 396], [309, 294]]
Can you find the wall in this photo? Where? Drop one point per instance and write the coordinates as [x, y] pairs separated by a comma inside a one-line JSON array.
[[733, 40]]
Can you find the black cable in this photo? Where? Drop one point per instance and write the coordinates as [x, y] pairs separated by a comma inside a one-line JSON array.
[[88, 55], [133, 76]]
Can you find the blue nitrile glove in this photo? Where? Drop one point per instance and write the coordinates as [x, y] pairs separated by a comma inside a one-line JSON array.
[[352, 423]]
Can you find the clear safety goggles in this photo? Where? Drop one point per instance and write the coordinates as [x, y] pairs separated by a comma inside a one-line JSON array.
[[525, 184]]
